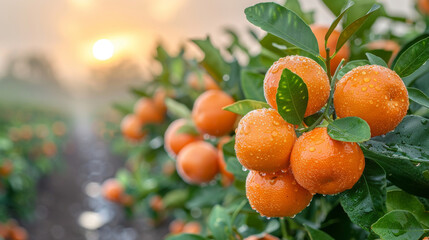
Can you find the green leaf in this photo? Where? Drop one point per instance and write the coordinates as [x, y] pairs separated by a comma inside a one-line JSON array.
[[176, 198], [219, 223], [186, 236], [375, 60], [292, 97], [295, 6], [349, 129], [232, 163], [412, 58], [188, 128], [244, 106], [317, 234], [177, 109], [404, 155], [408, 45], [213, 61], [400, 200], [252, 84], [206, 197], [398, 225], [353, 27], [338, 19], [283, 23], [365, 203], [350, 66], [416, 95]]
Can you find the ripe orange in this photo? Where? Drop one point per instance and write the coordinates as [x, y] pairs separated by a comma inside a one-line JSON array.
[[311, 73], [18, 233], [49, 149], [265, 237], [387, 45], [146, 110], [344, 52], [374, 93], [423, 6], [156, 203], [192, 228], [264, 141], [203, 82], [112, 190], [6, 168], [176, 226], [323, 165], [131, 127], [208, 115], [197, 163], [159, 100], [276, 194], [227, 177], [174, 141]]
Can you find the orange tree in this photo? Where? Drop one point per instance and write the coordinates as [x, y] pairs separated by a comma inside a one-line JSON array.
[[335, 147]]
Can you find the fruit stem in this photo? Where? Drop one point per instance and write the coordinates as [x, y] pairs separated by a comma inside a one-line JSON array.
[[283, 227], [237, 211]]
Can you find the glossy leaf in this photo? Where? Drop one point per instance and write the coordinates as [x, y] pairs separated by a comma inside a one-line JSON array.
[[349, 129], [375, 60], [213, 61], [219, 223], [295, 6], [365, 203], [400, 200], [353, 27], [283, 23], [316, 234], [404, 155], [398, 225], [338, 19], [350, 66], [177, 109], [244, 106], [292, 97], [412, 58], [416, 95], [252, 84], [408, 45]]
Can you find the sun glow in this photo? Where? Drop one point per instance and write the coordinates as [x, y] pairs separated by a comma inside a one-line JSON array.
[[103, 49]]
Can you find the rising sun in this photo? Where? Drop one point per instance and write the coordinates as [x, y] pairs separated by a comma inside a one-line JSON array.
[[103, 49]]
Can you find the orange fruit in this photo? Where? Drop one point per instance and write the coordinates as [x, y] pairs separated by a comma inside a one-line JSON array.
[[192, 228], [18, 233], [344, 52], [387, 45], [311, 73], [6, 168], [374, 93], [146, 110], [176, 226], [423, 6], [227, 177], [276, 194], [156, 203], [49, 149], [112, 190], [159, 100], [208, 115], [197, 163], [323, 165], [131, 127], [202, 82], [4, 230], [174, 141], [264, 141], [265, 237]]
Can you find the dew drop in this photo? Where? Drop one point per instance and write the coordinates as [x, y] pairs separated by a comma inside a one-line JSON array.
[[312, 149], [364, 89]]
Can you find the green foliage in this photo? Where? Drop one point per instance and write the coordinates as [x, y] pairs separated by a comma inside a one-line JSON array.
[[412, 58], [349, 129], [244, 106]]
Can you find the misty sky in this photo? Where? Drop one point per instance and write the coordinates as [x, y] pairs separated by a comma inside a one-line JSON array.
[[65, 30]]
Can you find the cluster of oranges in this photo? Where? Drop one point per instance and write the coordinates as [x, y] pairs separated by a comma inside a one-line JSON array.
[[179, 226], [286, 171], [146, 111], [113, 191], [12, 231], [197, 161]]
